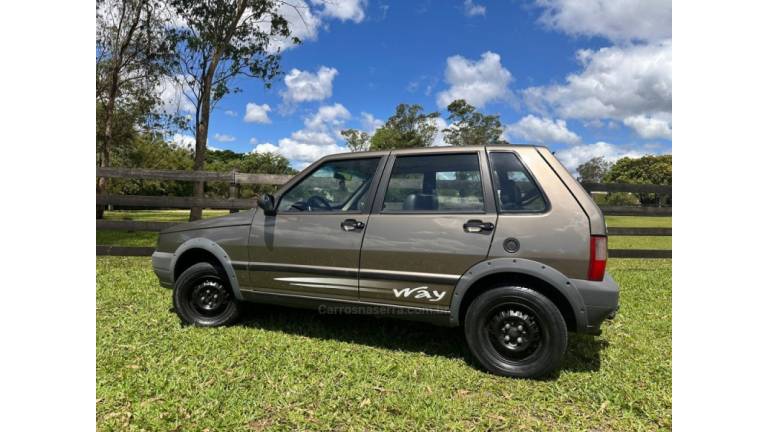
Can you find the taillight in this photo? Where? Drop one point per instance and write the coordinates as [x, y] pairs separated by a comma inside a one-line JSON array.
[[598, 257]]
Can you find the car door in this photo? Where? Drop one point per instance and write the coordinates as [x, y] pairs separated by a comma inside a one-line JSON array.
[[433, 218], [311, 246]]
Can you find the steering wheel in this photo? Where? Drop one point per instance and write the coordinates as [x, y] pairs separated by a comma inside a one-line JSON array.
[[318, 201]]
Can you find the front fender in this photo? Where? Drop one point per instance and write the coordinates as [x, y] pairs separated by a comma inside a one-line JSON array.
[[522, 266], [217, 251]]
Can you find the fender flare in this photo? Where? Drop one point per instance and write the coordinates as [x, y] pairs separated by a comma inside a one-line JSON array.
[[217, 251], [524, 266]]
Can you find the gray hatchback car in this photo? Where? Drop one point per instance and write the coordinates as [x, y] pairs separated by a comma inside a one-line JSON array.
[[498, 240]]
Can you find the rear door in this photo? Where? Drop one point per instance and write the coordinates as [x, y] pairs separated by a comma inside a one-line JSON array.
[[311, 247], [433, 218]]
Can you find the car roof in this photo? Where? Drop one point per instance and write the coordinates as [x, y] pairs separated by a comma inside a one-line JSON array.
[[428, 150]]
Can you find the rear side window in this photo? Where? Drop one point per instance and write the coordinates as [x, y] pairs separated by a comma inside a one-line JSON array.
[[513, 185], [438, 183]]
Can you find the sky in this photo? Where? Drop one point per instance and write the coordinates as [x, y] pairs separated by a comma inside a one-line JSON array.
[[584, 77]]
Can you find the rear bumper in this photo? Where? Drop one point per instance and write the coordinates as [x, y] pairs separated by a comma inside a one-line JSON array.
[[161, 264], [601, 301]]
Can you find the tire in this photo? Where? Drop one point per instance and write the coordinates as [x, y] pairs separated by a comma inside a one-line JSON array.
[[515, 332], [202, 297]]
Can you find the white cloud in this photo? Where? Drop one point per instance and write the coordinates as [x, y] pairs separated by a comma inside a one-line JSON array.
[[303, 147], [172, 99], [574, 156], [650, 127], [353, 10], [439, 140], [183, 141], [616, 82], [230, 113], [477, 82], [223, 138], [304, 86], [472, 9], [328, 115], [255, 113], [541, 130], [302, 22], [617, 20], [370, 123]]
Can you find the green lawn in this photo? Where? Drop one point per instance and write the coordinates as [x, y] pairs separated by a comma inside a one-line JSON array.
[[285, 369], [159, 215], [639, 221]]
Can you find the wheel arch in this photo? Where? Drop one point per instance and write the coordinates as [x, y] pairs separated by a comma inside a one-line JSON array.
[[200, 249], [532, 274]]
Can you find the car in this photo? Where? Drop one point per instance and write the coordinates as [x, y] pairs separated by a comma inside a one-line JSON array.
[[500, 241]]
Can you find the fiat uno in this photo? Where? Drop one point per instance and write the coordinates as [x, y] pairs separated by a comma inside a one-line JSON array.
[[500, 241]]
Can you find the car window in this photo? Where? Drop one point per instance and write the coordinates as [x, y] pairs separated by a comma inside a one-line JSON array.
[[436, 183], [335, 186], [513, 185]]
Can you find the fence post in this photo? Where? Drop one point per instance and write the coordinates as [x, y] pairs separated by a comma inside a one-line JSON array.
[[234, 190]]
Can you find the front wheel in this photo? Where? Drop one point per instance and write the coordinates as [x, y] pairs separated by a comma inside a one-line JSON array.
[[202, 297], [516, 332]]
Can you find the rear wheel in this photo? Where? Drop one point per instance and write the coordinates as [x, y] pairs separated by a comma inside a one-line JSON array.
[[203, 297], [516, 332]]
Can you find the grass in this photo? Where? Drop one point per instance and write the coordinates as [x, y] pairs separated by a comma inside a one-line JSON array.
[[639, 221], [159, 215], [284, 369]]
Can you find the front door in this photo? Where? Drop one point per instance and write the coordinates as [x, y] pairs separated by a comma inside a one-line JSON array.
[[432, 220], [311, 247]]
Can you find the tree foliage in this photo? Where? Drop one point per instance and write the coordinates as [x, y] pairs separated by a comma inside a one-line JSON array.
[[593, 170], [648, 169], [470, 127], [409, 127], [356, 140], [219, 41], [132, 56]]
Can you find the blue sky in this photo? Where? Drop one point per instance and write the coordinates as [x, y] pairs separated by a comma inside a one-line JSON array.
[[586, 78]]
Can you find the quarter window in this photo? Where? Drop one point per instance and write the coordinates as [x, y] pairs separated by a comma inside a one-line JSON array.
[[335, 186], [513, 186], [437, 183]]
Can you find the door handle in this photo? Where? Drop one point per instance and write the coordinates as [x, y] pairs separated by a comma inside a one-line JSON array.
[[476, 226], [351, 225]]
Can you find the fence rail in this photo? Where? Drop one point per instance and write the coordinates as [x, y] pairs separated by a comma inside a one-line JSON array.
[[139, 251], [234, 202], [129, 225]]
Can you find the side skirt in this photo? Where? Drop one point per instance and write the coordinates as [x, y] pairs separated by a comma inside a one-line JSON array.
[[326, 306]]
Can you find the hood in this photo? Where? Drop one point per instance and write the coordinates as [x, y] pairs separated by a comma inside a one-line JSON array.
[[240, 218]]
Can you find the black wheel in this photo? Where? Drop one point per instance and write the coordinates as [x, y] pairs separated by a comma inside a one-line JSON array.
[[203, 297], [516, 332]]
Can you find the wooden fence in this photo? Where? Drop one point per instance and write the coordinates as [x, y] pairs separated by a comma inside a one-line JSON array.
[[234, 203]]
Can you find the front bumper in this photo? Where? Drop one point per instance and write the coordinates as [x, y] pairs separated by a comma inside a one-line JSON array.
[[161, 264], [601, 301]]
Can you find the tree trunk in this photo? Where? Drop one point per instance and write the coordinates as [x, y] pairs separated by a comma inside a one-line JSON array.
[[109, 115], [201, 141]]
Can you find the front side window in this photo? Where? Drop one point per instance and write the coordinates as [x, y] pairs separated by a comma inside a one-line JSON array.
[[513, 186], [335, 186], [438, 183]]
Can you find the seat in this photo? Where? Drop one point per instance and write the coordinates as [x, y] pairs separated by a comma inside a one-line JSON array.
[[420, 202]]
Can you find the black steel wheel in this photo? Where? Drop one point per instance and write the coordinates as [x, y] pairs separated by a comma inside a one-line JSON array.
[[203, 297], [515, 331]]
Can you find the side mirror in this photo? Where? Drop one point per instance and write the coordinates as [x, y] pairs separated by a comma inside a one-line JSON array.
[[267, 203]]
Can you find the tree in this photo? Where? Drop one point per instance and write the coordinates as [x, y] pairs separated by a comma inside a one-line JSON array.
[[408, 127], [593, 170], [645, 170], [356, 140], [132, 52], [221, 40], [470, 127]]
